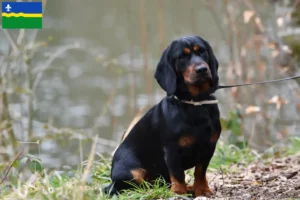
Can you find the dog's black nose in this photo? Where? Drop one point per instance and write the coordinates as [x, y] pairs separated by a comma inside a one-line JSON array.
[[200, 69]]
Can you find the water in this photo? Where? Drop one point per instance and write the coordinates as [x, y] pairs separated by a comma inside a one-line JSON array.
[[98, 88]]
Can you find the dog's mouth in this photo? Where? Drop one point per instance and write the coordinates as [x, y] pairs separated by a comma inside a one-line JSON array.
[[198, 80]]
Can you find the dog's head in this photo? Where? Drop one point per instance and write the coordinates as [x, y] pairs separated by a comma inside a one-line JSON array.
[[188, 67]]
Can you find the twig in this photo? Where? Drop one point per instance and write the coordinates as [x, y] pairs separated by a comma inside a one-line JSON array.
[[109, 101], [5, 115], [37, 143], [291, 174], [80, 150], [11, 41], [34, 34], [10, 166], [21, 36], [30, 96], [161, 26], [222, 176], [16, 50], [143, 27], [216, 17], [212, 180], [132, 77], [90, 161], [47, 64]]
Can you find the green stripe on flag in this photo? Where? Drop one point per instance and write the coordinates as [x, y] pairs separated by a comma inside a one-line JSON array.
[[22, 22]]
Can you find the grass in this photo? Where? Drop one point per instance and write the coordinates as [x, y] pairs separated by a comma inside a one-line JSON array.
[[158, 190], [67, 184]]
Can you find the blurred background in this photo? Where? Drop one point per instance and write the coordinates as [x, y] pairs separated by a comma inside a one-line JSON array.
[[89, 72]]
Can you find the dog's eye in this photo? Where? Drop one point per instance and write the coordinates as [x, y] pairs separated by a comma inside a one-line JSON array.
[[202, 52], [183, 56]]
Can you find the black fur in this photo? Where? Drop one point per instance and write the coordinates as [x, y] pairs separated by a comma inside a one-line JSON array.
[[153, 143]]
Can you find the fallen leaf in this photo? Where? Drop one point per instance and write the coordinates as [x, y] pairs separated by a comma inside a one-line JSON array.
[[275, 53], [252, 109], [256, 183], [279, 21], [259, 24], [286, 48], [298, 106], [284, 133], [248, 14], [279, 101]]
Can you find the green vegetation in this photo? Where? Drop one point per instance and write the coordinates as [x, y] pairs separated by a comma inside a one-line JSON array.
[[293, 40], [70, 184], [25, 178]]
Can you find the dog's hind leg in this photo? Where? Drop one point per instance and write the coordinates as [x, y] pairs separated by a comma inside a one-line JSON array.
[[123, 178]]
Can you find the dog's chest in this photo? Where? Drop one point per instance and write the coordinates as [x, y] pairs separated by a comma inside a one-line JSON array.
[[192, 126], [195, 136], [197, 124]]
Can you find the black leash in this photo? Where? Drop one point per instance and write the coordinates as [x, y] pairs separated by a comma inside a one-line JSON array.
[[255, 83]]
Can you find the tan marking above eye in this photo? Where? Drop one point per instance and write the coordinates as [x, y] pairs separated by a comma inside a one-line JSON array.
[[196, 48], [186, 50]]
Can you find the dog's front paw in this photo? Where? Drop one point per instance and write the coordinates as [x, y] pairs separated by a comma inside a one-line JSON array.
[[203, 191], [190, 188], [179, 188]]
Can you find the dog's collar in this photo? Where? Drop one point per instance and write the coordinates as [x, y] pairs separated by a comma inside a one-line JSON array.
[[197, 103]]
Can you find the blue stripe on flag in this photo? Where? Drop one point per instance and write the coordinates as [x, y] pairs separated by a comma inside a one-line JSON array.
[[25, 7]]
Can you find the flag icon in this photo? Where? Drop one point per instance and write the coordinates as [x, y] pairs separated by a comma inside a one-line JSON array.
[[18, 15]]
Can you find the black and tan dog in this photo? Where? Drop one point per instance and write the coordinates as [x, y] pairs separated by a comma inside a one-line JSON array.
[[178, 133]]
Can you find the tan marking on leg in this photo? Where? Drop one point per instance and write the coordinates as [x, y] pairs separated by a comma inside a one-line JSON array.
[[138, 174], [178, 187], [186, 140], [200, 185], [190, 188], [214, 137]]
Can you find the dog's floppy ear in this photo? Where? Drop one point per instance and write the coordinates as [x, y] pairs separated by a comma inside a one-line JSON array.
[[213, 64], [165, 74]]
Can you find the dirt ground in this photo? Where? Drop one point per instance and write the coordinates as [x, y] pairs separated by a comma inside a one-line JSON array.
[[270, 179]]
